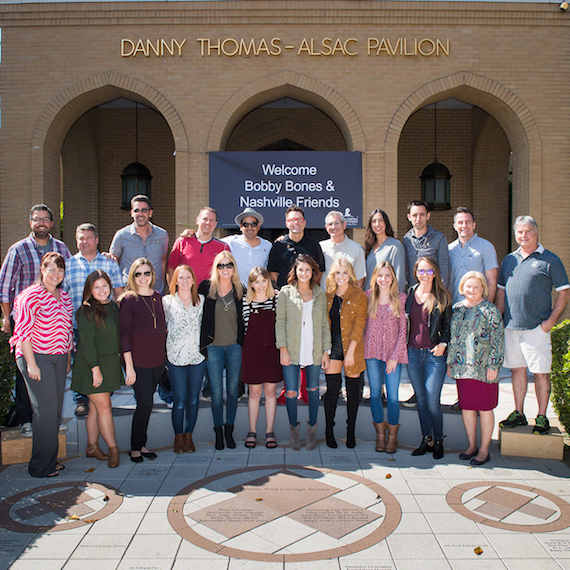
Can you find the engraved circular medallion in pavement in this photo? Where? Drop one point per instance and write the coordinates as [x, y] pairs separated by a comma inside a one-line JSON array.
[[291, 514], [510, 506], [61, 506]]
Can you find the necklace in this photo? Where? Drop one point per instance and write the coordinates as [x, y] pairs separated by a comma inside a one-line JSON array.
[[226, 305], [151, 309]]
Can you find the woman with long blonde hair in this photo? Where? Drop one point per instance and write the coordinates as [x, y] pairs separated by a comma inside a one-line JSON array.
[[261, 368], [429, 309], [346, 308], [385, 351], [143, 339], [221, 339]]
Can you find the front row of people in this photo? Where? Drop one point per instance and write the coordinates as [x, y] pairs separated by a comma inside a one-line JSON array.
[[266, 337]]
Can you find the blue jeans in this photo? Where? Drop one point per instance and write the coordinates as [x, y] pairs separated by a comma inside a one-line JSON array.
[[228, 357], [376, 377], [427, 373], [291, 377], [185, 382]]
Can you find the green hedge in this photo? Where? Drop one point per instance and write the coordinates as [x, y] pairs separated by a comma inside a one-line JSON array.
[[561, 373], [7, 376]]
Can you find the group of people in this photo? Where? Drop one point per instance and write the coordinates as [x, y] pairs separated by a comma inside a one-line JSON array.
[[267, 313]]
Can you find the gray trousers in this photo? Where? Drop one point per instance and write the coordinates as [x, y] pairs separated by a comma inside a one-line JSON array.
[[46, 397]]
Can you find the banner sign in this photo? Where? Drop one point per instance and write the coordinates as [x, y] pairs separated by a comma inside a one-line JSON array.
[[271, 181]]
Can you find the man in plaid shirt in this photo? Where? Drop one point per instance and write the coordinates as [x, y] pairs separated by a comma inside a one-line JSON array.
[[20, 269]]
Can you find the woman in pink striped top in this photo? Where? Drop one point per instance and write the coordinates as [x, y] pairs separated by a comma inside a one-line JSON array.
[[43, 341]]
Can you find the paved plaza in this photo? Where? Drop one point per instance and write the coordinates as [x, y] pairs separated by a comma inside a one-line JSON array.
[[341, 509]]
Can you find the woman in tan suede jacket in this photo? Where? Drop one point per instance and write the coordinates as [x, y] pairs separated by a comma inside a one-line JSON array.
[[346, 307]]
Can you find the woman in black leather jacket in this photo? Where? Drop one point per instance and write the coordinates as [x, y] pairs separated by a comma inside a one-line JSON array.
[[429, 311]]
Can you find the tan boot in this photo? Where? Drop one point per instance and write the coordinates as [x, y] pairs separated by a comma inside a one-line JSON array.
[[179, 443], [311, 437], [380, 435], [294, 442], [114, 457], [93, 450], [188, 443], [392, 438]]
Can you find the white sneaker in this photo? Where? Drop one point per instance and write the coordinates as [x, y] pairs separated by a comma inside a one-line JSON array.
[[63, 427], [26, 430]]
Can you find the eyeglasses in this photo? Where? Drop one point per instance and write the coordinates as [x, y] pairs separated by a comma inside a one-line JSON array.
[[229, 265], [295, 220], [141, 273], [249, 224], [140, 210], [426, 272], [38, 220]]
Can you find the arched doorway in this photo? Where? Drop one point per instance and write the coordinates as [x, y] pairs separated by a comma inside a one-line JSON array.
[[86, 137]]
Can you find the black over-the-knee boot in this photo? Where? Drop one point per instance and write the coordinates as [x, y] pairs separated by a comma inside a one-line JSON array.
[[334, 382], [354, 388]]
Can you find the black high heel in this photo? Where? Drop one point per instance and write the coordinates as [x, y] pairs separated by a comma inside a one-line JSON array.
[[424, 447]]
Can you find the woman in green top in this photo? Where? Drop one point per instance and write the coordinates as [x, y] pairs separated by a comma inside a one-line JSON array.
[[97, 364]]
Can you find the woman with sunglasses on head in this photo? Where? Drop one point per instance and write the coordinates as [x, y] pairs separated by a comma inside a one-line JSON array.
[[97, 364], [183, 310], [303, 338], [221, 340], [346, 307], [385, 350], [381, 245], [261, 369], [429, 310], [43, 340], [143, 341]]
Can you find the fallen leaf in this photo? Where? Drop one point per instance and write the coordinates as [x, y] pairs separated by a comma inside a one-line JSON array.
[[73, 518], [391, 459], [105, 498], [174, 510], [259, 499], [478, 551], [89, 520], [90, 470], [388, 476]]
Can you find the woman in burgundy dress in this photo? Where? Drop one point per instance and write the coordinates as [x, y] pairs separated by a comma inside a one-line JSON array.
[[260, 367]]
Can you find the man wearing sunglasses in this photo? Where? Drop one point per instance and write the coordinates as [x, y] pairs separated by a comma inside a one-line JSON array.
[[248, 248], [141, 239]]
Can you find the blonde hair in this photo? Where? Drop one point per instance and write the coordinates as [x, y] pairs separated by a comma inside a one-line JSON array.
[[341, 262], [439, 296], [475, 275], [215, 276], [173, 285], [395, 303], [253, 275], [131, 286]]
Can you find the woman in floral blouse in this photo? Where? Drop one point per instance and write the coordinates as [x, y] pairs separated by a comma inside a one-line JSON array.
[[186, 365], [474, 358]]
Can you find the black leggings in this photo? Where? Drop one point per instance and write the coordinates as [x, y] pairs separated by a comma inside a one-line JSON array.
[[144, 387]]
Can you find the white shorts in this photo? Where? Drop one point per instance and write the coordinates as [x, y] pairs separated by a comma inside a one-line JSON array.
[[531, 348]]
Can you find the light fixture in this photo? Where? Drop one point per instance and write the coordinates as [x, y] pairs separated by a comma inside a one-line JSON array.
[[136, 176], [436, 185], [564, 6]]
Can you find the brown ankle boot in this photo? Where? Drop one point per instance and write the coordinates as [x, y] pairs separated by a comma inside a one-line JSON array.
[[380, 436], [392, 438], [179, 443], [188, 443], [114, 457], [93, 450]]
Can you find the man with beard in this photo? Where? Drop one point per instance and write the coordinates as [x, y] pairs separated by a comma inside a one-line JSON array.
[[142, 239], [20, 269]]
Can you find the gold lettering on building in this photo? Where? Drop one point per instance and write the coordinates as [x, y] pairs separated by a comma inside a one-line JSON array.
[[314, 47]]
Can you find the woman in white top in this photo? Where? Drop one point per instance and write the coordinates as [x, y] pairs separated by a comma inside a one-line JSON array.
[[186, 365], [304, 340]]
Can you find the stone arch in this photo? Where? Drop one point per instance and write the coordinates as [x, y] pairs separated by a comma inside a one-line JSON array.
[[505, 107], [285, 128], [287, 84], [64, 110]]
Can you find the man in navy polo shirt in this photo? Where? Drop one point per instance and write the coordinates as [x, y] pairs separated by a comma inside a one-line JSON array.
[[524, 296]]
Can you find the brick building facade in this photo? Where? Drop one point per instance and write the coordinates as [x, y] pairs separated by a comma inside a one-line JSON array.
[[210, 76]]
